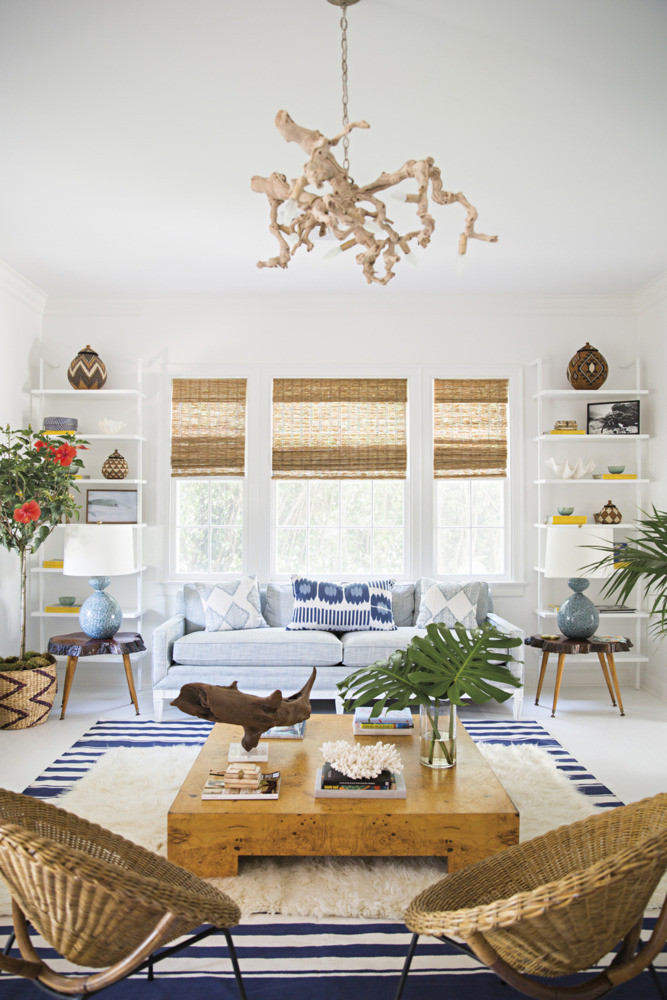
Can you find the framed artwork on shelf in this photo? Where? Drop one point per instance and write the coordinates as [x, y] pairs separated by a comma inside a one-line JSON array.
[[613, 418], [111, 506]]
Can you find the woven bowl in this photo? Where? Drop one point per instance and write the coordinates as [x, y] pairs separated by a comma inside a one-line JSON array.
[[60, 423]]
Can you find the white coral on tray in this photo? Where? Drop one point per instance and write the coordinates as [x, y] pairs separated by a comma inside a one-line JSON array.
[[357, 761]]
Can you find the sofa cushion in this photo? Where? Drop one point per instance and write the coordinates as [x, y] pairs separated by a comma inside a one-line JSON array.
[[451, 602], [279, 604], [403, 603], [341, 607], [258, 647], [231, 605], [360, 649]]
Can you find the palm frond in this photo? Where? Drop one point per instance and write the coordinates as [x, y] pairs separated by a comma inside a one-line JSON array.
[[445, 663], [642, 563]]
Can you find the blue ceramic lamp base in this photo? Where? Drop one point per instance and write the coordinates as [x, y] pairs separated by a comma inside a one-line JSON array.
[[578, 618], [101, 614]]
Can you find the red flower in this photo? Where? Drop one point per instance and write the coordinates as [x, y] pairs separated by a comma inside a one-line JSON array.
[[40, 444], [30, 511], [64, 455]]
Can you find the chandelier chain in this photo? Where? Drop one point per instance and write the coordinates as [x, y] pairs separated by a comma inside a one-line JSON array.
[[346, 119]]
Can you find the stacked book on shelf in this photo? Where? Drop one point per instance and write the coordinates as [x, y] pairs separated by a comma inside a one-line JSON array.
[[57, 609], [389, 722], [566, 519]]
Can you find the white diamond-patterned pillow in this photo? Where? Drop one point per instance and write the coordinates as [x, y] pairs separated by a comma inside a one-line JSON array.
[[449, 603], [232, 605]]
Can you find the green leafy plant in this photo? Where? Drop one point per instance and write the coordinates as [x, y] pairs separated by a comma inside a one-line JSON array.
[[642, 562], [445, 664], [36, 481]]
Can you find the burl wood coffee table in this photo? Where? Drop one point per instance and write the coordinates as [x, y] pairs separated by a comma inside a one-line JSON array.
[[462, 814]]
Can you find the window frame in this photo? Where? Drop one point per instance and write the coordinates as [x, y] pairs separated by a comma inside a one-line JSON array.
[[420, 521], [513, 492]]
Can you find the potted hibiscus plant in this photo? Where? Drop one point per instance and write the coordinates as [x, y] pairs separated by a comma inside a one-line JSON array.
[[36, 481], [437, 671]]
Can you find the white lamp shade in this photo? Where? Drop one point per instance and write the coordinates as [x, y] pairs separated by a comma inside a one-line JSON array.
[[565, 553], [98, 550]]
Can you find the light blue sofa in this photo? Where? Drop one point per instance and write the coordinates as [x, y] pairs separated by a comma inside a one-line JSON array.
[[264, 659]]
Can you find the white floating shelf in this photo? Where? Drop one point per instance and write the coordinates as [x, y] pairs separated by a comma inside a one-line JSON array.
[[75, 616], [592, 437], [588, 481], [89, 393], [579, 393], [603, 614]]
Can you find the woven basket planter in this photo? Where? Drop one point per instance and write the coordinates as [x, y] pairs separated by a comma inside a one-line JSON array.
[[26, 696]]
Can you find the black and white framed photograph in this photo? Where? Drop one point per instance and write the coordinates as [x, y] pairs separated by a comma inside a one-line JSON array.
[[613, 418], [111, 506]]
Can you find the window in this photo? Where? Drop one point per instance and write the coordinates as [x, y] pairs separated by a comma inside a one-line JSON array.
[[208, 526], [340, 459], [347, 527], [347, 477], [208, 418], [470, 527], [470, 454]]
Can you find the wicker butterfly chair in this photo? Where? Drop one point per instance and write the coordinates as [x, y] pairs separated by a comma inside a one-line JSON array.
[[557, 904], [98, 899]]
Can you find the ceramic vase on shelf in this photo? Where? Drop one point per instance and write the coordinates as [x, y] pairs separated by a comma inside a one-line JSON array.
[[437, 733], [587, 369], [115, 466], [87, 370]]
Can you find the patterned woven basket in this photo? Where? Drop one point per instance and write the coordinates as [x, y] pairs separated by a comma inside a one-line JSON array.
[[26, 696]]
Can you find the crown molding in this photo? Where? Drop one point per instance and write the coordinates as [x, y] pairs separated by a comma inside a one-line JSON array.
[[372, 305], [652, 294], [21, 289]]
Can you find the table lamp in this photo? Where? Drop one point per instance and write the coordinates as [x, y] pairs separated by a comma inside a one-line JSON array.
[[99, 551], [565, 556]]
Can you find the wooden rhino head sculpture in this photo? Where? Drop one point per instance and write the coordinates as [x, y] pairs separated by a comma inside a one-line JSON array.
[[256, 715]]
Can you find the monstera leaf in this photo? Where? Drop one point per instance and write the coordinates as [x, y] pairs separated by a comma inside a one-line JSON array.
[[455, 664]]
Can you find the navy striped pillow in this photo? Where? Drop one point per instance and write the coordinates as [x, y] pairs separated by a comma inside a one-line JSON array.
[[342, 607]]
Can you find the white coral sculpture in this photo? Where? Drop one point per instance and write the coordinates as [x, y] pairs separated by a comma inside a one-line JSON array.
[[357, 761]]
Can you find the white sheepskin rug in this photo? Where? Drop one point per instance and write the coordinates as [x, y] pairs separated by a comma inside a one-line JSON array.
[[130, 791]]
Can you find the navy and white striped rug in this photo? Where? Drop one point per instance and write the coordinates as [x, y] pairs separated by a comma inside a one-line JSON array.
[[74, 763], [282, 958]]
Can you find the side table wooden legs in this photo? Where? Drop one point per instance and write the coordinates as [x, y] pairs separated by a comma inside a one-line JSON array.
[[614, 676], [69, 677], [130, 681]]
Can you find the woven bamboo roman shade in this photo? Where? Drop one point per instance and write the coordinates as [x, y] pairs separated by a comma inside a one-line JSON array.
[[339, 428], [470, 428], [208, 426]]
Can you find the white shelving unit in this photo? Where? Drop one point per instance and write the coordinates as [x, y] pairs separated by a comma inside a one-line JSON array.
[[90, 406], [587, 495]]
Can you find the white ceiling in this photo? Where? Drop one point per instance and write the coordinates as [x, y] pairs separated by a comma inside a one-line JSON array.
[[130, 130]]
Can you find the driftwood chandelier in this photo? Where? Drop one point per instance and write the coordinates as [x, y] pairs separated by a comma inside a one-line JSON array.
[[353, 214]]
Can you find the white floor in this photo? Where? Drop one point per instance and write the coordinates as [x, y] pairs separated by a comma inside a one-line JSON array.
[[627, 754]]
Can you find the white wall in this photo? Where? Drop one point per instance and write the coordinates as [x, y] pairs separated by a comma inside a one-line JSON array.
[[21, 309], [652, 325], [372, 329]]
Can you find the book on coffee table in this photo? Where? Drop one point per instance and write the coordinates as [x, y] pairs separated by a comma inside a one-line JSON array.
[[214, 788], [393, 722], [396, 791], [294, 732]]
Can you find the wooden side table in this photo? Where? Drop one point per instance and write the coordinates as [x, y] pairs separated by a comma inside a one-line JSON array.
[[604, 645], [77, 644]]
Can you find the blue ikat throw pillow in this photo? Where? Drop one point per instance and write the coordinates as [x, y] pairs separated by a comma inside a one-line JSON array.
[[342, 607]]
